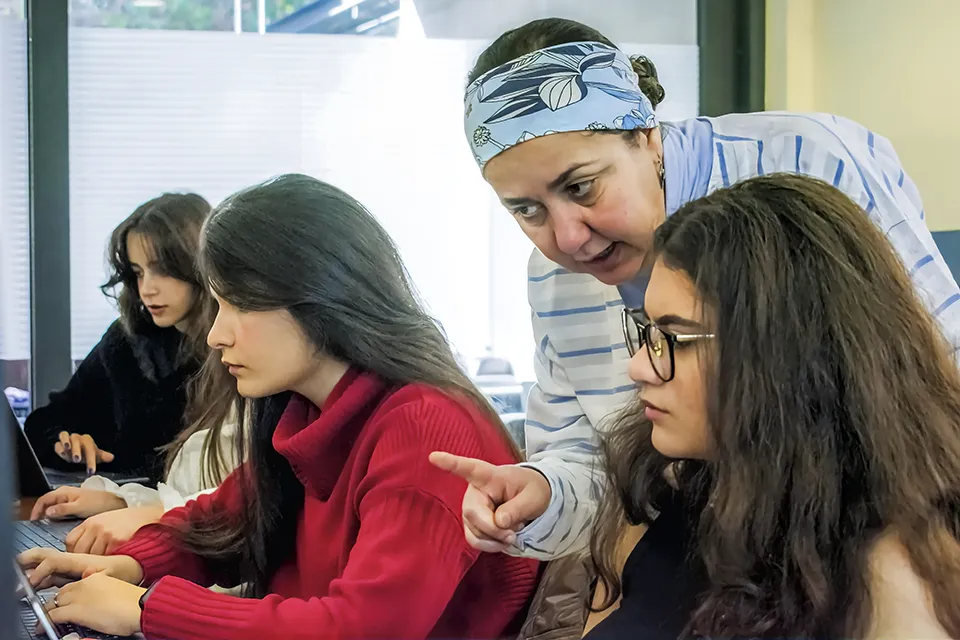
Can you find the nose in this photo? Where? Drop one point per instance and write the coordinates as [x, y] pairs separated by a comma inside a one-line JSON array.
[[640, 370], [148, 286], [569, 228], [220, 337]]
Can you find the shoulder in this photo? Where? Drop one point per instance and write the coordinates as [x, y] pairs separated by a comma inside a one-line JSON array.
[[120, 340], [427, 419], [902, 606], [115, 338], [831, 148], [409, 425], [768, 125], [125, 354], [789, 133], [113, 351]]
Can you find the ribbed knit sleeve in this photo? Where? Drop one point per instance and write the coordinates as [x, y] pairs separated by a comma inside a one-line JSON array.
[[406, 565], [159, 554]]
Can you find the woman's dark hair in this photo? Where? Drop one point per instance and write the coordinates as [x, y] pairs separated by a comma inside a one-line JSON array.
[[550, 32], [171, 225], [299, 244], [834, 406], [211, 407]]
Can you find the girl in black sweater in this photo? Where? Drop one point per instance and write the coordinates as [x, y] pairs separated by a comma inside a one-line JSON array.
[[128, 397]]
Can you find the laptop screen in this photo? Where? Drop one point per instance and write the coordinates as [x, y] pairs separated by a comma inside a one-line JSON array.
[[7, 581]]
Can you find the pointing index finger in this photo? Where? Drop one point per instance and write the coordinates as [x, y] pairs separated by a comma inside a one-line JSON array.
[[477, 472]]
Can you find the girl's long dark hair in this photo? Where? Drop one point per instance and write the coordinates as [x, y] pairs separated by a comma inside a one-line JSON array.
[[171, 225], [299, 244], [834, 403]]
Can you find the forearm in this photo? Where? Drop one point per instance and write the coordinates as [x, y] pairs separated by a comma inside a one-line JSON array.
[[159, 552], [394, 585], [564, 528], [561, 445]]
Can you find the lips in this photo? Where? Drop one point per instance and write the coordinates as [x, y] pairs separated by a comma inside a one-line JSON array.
[[231, 367], [606, 253], [649, 405]]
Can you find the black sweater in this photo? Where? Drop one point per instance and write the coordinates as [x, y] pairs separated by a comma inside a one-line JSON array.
[[129, 394]]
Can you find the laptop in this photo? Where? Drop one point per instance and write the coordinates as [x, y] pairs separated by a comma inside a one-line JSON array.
[[33, 615], [34, 481]]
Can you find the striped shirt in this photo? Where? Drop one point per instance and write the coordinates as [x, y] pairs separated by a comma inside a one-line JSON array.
[[581, 360]]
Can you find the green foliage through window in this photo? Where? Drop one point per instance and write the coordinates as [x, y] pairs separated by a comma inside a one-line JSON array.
[[196, 15]]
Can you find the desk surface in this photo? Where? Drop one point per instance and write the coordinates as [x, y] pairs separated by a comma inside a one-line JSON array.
[[24, 508]]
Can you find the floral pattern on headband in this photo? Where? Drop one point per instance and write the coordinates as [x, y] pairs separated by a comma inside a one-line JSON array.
[[550, 81]]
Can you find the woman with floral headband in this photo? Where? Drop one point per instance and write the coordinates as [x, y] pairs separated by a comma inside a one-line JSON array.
[[562, 125]]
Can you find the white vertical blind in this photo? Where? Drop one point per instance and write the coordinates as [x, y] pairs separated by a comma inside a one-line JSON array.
[[379, 117], [14, 192], [215, 112]]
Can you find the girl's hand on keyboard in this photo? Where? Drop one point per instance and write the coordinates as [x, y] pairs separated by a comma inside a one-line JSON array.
[[74, 502], [51, 568], [99, 602]]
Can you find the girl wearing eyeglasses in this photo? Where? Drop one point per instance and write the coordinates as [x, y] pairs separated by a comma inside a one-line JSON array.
[[790, 464]]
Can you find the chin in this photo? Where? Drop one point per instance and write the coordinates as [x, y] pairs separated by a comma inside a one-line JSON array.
[[167, 321], [621, 275], [250, 392], [671, 444], [253, 389]]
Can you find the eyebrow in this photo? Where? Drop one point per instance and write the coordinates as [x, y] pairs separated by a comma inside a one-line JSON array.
[[518, 202], [563, 177], [677, 321], [555, 184]]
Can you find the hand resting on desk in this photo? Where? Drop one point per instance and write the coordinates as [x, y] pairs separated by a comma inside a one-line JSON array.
[[101, 534], [73, 502]]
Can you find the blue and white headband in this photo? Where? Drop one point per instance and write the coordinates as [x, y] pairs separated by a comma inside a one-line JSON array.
[[578, 86]]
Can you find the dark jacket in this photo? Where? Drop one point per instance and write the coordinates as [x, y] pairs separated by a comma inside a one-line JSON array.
[[129, 394], [561, 603]]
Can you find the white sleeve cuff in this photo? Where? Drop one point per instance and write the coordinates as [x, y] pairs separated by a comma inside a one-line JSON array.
[[531, 537], [135, 495]]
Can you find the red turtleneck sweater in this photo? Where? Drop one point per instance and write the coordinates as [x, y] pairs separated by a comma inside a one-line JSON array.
[[380, 550]]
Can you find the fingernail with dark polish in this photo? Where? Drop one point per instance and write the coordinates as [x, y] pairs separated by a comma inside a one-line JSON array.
[[76, 458], [90, 471]]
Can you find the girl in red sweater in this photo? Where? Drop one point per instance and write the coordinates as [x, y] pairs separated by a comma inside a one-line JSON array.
[[338, 526]]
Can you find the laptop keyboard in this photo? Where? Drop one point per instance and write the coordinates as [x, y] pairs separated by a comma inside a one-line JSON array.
[[43, 533], [29, 535], [29, 620]]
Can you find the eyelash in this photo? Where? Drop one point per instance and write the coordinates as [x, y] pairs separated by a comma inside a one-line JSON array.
[[537, 209], [587, 183], [521, 211]]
